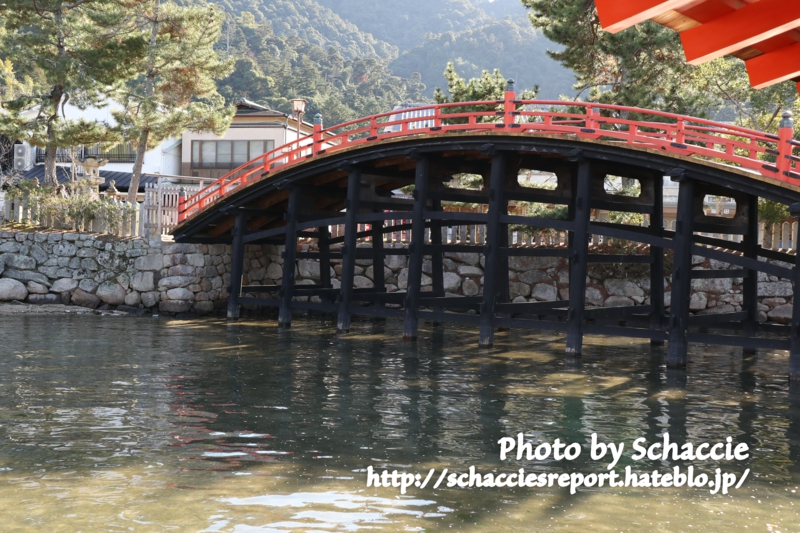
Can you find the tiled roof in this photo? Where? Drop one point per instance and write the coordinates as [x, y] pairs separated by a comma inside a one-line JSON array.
[[121, 179]]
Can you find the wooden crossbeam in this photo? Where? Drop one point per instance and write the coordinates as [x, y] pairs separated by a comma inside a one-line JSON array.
[[616, 15], [744, 27], [774, 67]]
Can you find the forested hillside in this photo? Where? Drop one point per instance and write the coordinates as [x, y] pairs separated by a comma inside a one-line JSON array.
[[348, 57], [509, 44]]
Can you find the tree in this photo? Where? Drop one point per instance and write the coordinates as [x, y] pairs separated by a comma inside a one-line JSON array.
[[640, 67], [487, 87], [176, 89], [76, 50]]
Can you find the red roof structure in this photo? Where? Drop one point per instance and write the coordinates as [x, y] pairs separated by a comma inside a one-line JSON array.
[[763, 33]]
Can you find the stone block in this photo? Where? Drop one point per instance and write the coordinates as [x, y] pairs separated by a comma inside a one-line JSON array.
[[182, 270], [698, 301], [180, 294], [466, 258], [781, 314], [87, 252], [622, 287], [26, 276], [594, 297], [150, 299], [544, 292], [470, 271], [85, 299], [88, 285], [87, 263], [618, 301], [516, 288], [149, 262], [174, 282], [65, 249], [12, 289], [308, 268], [75, 262], [21, 262], [133, 299], [65, 285], [179, 248], [532, 276], [38, 253], [470, 288], [195, 260], [111, 293], [452, 281], [779, 289], [10, 247], [45, 299], [713, 285], [36, 288], [362, 282]]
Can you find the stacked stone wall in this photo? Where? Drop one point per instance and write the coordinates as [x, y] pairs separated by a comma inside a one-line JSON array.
[[89, 270]]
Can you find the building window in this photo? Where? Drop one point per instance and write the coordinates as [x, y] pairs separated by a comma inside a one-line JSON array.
[[227, 154]]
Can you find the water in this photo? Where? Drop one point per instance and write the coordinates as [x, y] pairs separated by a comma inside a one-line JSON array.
[[116, 424]]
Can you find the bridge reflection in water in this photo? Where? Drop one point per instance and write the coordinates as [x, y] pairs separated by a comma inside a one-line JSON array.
[[346, 176]]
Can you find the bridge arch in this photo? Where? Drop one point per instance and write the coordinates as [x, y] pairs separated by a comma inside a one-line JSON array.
[[348, 179]]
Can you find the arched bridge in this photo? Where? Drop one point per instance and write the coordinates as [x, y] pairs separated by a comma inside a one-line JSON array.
[[347, 176]]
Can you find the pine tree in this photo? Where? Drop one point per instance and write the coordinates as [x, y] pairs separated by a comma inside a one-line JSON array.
[[77, 52], [176, 89]]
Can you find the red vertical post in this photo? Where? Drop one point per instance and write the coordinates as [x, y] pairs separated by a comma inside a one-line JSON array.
[[317, 142], [182, 205], [508, 105], [785, 136]]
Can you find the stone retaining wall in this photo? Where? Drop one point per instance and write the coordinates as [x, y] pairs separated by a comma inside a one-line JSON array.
[[90, 270], [99, 270]]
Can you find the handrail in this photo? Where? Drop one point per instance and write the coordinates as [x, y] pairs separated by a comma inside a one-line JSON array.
[[658, 130]]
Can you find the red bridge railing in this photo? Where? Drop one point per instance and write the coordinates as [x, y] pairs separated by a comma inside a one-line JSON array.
[[773, 156]]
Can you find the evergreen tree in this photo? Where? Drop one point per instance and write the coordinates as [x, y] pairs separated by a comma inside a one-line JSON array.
[[176, 90], [641, 67], [79, 53]]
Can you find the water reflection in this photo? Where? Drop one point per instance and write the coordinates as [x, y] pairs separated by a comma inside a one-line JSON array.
[[154, 425]]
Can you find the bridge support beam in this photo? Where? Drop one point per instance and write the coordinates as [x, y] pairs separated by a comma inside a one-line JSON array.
[[681, 275], [657, 260], [579, 259], [494, 240], [324, 245], [237, 265], [349, 249], [378, 260], [437, 258], [410, 327], [794, 333], [289, 260], [750, 283]]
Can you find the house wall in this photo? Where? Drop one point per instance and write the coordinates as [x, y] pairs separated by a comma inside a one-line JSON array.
[[154, 161]]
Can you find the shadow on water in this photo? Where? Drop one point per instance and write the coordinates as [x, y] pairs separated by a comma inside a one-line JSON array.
[[217, 426]]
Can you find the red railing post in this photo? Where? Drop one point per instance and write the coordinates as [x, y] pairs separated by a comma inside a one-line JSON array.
[[316, 145], [181, 205], [508, 105], [785, 138]]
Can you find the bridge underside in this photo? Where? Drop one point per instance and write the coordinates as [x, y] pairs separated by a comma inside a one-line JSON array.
[[355, 188]]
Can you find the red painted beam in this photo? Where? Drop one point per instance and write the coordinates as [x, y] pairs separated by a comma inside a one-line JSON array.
[[745, 27], [617, 15], [774, 67]]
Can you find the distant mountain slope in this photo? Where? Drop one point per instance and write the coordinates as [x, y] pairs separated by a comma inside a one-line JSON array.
[[509, 44], [310, 21], [405, 23], [430, 33]]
